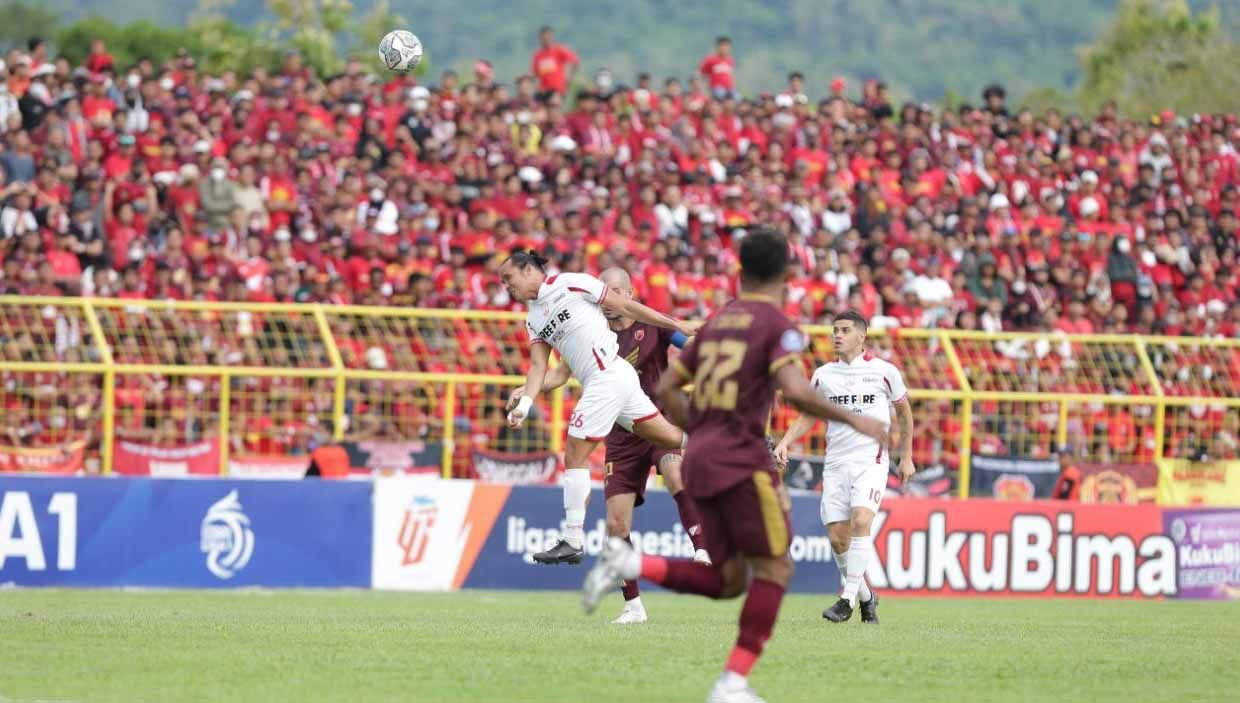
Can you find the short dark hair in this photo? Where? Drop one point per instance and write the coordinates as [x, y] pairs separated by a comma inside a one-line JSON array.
[[764, 256], [527, 257], [723, 39], [852, 316]]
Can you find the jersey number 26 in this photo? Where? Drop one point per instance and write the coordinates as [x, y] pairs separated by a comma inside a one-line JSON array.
[[713, 385]]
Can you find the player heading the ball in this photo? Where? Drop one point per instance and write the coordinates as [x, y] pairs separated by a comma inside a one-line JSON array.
[[565, 312]]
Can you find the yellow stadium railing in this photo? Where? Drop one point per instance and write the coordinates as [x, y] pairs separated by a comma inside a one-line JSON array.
[[282, 377]]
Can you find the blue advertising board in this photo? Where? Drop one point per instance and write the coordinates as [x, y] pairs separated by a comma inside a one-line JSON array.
[[184, 533], [530, 521]]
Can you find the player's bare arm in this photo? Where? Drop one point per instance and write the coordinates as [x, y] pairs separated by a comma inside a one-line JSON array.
[[627, 307], [539, 355], [798, 428], [904, 417], [672, 396], [803, 397], [554, 379]]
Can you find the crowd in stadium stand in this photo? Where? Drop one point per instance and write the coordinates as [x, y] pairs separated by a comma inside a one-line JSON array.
[[161, 181]]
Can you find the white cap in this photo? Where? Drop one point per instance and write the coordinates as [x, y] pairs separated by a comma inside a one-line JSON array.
[[1089, 206], [419, 92], [376, 358], [529, 174], [1089, 177], [563, 143], [202, 146], [998, 200]]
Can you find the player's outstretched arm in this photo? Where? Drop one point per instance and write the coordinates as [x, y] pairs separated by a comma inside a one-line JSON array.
[[672, 396], [803, 397], [540, 353], [632, 309]]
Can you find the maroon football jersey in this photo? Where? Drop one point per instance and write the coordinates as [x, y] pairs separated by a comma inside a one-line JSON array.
[[644, 346], [732, 363]]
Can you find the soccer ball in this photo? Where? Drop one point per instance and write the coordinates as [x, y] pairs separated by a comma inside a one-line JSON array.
[[400, 50]]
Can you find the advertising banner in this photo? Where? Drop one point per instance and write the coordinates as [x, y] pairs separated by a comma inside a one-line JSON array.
[[428, 532], [50, 460], [1208, 548], [1184, 482], [432, 534], [1007, 548], [178, 533], [387, 458], [533, 467], [136, 459], [1118, 483], [1012, 478]]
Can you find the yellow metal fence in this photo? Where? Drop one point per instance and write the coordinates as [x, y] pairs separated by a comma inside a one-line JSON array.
[[283, 378]]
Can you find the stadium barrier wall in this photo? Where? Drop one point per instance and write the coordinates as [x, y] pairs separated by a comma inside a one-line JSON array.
[[422, 533], [251, 376]]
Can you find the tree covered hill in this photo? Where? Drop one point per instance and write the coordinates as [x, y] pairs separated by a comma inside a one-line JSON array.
[[924, 49]]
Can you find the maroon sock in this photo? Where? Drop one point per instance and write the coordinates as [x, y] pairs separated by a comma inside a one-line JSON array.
[[629, 588], [689, 518], [757, 621], [683, 576]]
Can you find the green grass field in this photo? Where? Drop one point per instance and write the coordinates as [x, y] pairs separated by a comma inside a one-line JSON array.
[[58, 645]]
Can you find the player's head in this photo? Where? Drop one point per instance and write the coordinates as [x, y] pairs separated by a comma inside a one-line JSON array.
[[723, 45], [618, 283], [546, 35], [764, 260], [848, 330], [523, 273]]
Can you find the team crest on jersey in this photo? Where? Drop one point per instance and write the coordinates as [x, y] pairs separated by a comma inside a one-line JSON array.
[[639, 335], [792, 341]]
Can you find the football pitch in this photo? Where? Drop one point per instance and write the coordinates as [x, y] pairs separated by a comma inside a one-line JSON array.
[[66, 645]]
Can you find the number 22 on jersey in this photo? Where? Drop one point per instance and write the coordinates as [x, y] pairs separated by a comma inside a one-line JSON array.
[[713, 385]]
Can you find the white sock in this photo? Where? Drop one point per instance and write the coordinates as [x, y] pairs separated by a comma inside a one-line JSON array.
[[635, 604], [841, 562], [576, 493], [859, 549], [733, 681]]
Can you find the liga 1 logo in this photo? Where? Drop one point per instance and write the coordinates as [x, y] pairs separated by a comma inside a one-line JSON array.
[[226, 537], [415, 529]]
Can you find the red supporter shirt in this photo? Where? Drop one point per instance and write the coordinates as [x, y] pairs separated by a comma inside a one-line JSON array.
[[718, 71], [550, 65]]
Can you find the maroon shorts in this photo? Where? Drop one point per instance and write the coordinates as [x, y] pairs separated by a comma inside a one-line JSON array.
[[746, 519], [628, 468]]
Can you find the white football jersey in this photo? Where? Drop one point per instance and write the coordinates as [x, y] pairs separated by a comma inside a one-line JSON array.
[[868, 386], [568, 315]]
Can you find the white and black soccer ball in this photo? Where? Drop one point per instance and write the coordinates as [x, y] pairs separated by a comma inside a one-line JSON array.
[[400, 50]]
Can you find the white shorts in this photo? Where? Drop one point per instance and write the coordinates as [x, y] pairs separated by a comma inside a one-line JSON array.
[[848, 486], [613, 397]]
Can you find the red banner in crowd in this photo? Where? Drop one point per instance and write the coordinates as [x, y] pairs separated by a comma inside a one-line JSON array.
[[1118, 483], [46, 460], [135, 459], [1050, 548]]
